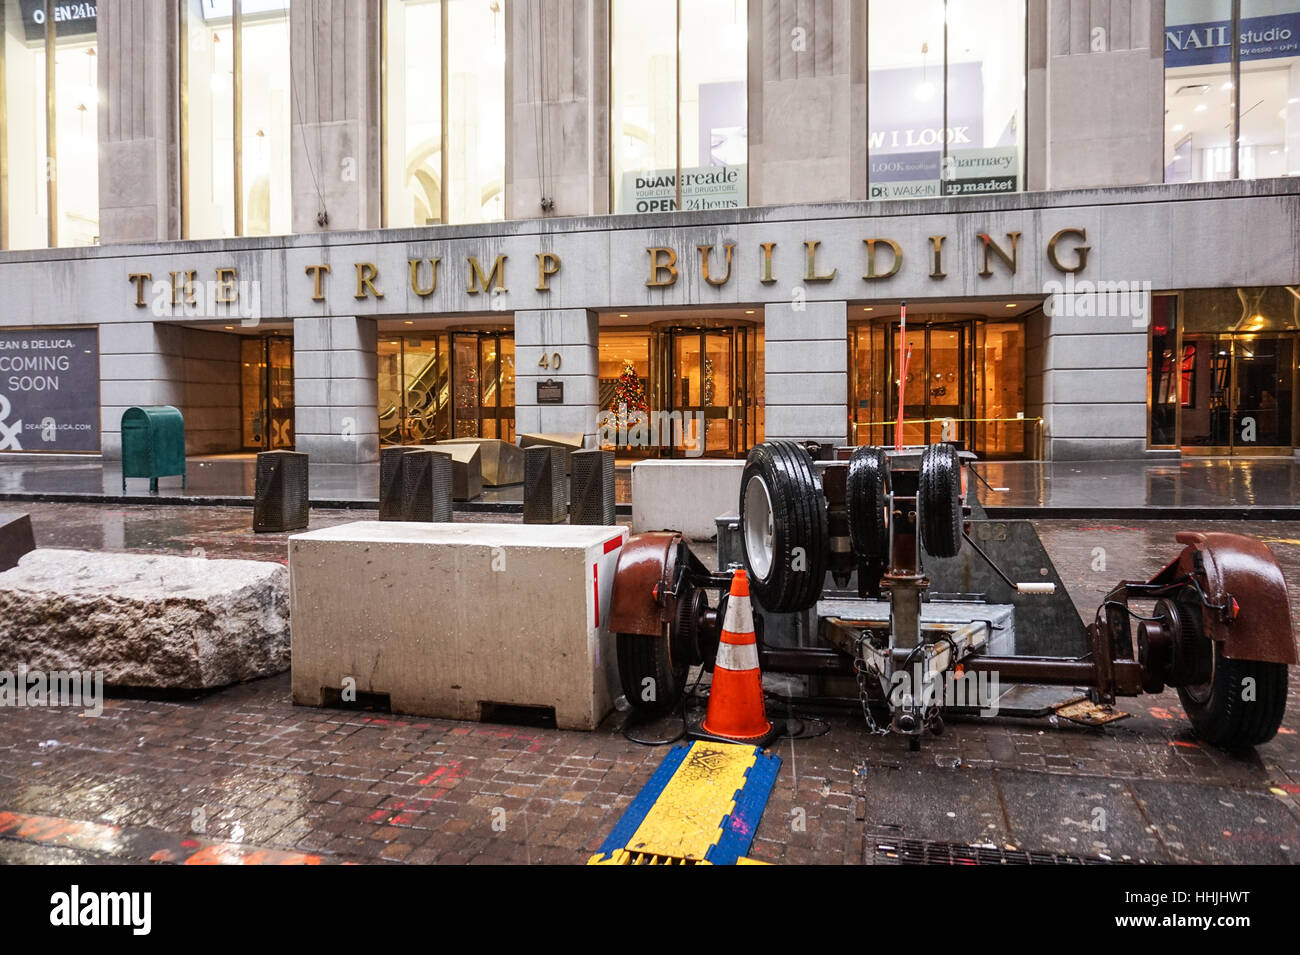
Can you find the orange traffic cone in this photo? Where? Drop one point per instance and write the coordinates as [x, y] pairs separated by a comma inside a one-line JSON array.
[[736, 711]]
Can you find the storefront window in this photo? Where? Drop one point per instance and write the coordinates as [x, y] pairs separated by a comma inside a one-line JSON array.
[[427, 81], [62, 170], [259, 200], [1201, 110], [946, 97], [679, 146], [1224, 370]]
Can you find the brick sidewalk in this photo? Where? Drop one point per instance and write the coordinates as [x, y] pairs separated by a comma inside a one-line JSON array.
[[242, 770]]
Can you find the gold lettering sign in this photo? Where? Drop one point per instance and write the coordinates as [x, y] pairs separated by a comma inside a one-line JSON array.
[[936, 251], [767, 248], [1007, 259], [479, 282], [317, 295], [1080, 251], [366, 275], [139, 278], [227, 292], [705, 252], [669, 265], [871, 259], [183, 292], [811, 274], [548, 263], [423, 292]]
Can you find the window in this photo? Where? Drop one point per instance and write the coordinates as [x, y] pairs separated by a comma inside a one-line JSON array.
[[679, 123], [444, 111], [236, 165], [49, 193], [1202, 114], [945, 97]]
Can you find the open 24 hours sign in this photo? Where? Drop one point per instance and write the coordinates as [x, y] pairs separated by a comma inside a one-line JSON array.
[[49, 389]]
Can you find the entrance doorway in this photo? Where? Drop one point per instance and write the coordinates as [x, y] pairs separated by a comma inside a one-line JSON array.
[[266, 393], [441, 385], [965, 382], [1235, 393], [696, 391]]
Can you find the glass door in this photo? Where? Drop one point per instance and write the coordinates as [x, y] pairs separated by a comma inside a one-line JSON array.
[[1236, 393], [497, 397], [266, 393], [935, 389]]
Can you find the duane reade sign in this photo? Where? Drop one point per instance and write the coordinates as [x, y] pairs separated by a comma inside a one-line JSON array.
[[49, 389], [703, 187]]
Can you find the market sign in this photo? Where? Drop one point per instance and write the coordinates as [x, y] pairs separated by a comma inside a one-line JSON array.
[[49, 389], [703, 187], [70, 18], [1262, 38]]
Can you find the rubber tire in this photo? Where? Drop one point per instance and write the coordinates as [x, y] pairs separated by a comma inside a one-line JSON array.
[[938, 501], [1224, 718], [798, 521], [865, 500], [642, 657]]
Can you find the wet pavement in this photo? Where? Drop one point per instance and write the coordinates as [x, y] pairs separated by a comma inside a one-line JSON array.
[[1192, 484], [242, 775]]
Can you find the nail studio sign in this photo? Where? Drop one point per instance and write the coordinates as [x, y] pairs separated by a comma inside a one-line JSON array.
[[1067, 252]]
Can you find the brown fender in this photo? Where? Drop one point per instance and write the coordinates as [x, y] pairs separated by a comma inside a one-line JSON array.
[[1241, 569], [643, 581]]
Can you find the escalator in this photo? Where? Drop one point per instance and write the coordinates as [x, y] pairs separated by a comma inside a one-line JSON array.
[[443, 386], [419, 414]]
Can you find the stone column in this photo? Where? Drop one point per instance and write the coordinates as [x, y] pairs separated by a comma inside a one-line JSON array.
[[1104, 93], [807, 372], [807, 101], [572, 334], [557, 107], [140, 363], [336, 389], [334, 50], [1094, 384], [139, 171]]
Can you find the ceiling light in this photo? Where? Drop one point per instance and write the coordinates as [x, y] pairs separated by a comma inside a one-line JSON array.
[[749, 311], [410, 323], [1201, 107], [1178, 127], [1011, 305], [867, 308], [622, 314]]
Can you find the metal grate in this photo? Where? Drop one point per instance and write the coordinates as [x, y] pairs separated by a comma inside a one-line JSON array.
[[280, 497], [592, 488], [391, 501], [544, 501], [891, 849]]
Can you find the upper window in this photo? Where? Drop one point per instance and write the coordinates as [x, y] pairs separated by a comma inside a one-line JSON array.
[[444, 111], [945, 97], [1202, 112], [49, 193], [236, 164], [679, 129]]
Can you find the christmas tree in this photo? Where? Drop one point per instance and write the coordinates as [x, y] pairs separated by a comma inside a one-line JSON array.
[[629, 405]]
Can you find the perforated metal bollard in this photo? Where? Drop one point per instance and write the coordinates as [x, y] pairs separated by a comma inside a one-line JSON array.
[[280, 497], [591, 488], [544, 499], [415, 484]]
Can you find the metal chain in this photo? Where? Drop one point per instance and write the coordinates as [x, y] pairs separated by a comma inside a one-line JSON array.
[[862, 695]]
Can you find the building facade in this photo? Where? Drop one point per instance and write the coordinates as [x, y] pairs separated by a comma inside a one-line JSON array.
[[675, 228]]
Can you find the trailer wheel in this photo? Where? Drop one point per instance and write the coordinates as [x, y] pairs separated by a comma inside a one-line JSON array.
[[1240, 705], [784, 533], [652, 671], [865, 497], [938, 500]]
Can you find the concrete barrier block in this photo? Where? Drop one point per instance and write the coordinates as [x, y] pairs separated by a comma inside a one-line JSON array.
[[684, 496], [450, 619]]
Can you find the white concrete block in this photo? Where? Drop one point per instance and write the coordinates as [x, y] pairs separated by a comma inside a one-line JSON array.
[[684, 495], [445, 618]]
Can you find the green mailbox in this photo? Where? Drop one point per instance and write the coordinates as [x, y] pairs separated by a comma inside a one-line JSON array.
[[153, 444]]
